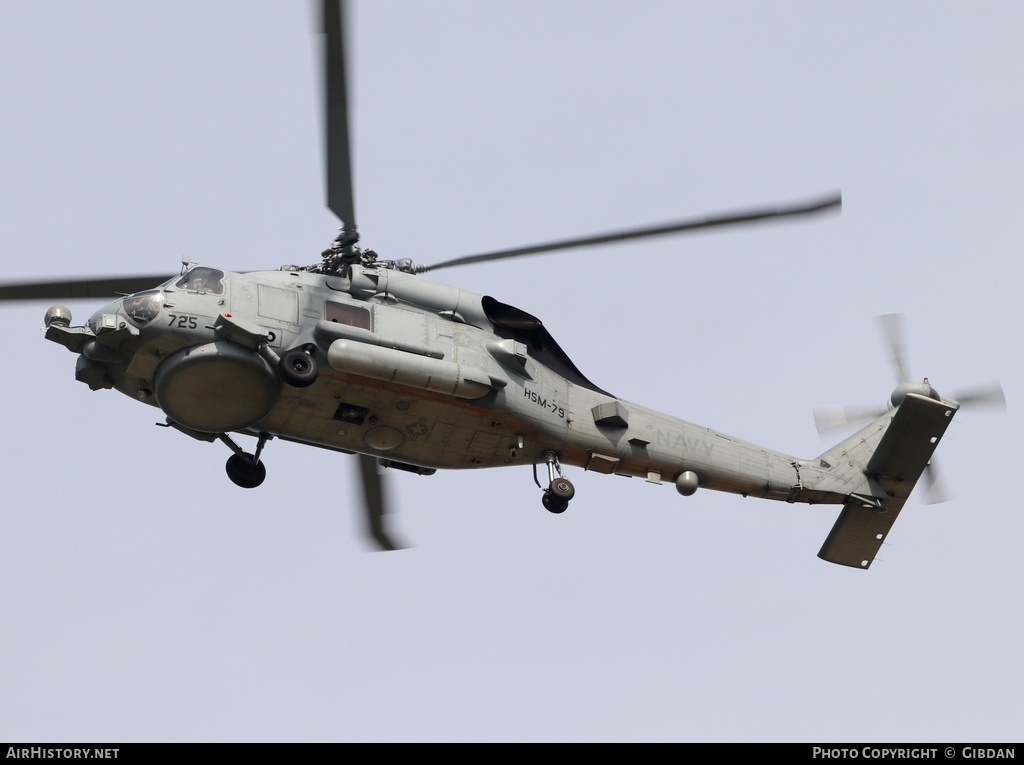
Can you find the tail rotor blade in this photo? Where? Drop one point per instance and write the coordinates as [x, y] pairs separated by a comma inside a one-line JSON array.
[[935, 491], [830, 418], [990, 396], [892, 328]]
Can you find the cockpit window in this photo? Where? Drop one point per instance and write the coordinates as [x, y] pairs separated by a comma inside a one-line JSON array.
[[143, 307], [202, 279]]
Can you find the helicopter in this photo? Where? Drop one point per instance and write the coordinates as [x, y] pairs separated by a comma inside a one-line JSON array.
[[368, 357]]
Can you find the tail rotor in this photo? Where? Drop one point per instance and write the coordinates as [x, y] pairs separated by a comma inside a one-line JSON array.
[[828, 419]]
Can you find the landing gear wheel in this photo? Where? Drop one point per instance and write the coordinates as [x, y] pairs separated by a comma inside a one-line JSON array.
[[298, 368], [562, 488], [244, 472], [553, 503]]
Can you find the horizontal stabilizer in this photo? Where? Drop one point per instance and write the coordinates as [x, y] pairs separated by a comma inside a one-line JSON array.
[[893, 470]]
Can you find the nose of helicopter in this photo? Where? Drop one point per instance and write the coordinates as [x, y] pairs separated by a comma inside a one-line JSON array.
[[106, 318]]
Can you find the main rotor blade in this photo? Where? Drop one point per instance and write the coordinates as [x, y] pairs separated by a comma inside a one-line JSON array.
[[336, 121], [75, 289], [822, 204], [374, 503]]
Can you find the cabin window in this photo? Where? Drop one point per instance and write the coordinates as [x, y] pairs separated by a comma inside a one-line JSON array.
[[343, 313]]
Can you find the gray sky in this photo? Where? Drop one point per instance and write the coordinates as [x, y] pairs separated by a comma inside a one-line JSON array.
[[146, 598]]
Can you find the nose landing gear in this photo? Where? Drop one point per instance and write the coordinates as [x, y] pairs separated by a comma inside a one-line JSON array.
[[560, 490], [243, 469]]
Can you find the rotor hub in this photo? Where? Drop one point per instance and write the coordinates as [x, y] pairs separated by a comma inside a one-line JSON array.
[[343, 252], [922, 388]]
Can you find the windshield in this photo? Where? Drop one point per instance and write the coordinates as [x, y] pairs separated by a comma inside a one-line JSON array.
[[143, 307], [202, 279]]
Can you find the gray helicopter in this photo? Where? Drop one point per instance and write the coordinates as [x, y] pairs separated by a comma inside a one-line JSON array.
[[368, 357]]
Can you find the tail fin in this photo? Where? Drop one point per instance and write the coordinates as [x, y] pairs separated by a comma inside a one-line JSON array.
[[893, 469]]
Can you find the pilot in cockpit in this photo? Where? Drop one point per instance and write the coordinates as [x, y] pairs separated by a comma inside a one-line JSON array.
[[202, 279]]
